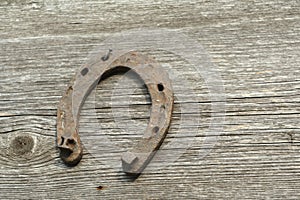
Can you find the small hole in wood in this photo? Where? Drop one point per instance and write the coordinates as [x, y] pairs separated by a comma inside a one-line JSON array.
[[160, 87], [100, 187]]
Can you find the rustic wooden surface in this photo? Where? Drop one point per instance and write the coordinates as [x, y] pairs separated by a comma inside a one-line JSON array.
[[255, 46]]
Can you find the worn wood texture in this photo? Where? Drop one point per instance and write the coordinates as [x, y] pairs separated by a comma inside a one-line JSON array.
[[255, 46]]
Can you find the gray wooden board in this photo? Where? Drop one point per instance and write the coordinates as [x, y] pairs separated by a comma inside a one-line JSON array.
[[255, 47]]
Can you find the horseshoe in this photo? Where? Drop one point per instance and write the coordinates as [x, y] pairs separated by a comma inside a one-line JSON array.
[[159, 87]]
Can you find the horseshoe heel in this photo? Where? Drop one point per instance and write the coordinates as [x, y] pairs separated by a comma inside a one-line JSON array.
[[159, 87]]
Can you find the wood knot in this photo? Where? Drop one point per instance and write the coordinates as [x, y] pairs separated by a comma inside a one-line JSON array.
[[21, 145]]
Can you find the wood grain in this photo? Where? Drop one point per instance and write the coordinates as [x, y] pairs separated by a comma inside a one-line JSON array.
[[255, 47]]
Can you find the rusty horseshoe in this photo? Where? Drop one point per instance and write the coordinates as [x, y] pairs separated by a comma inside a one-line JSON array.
[[160, 90]]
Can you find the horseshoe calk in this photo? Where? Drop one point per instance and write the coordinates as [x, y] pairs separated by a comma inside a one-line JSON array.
[[161, 92]]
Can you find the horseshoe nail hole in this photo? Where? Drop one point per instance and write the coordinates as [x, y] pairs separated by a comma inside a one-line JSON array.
[[160, 87], [155, 129], [163, 107], [84, 71], [70, 141]]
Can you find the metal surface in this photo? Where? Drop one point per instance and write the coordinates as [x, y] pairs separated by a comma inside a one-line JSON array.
[[159, 87]]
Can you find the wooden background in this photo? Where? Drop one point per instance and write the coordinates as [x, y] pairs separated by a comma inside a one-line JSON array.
[[255, 47]]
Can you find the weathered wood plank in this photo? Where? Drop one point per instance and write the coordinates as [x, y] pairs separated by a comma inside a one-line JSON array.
[[255, 47]]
